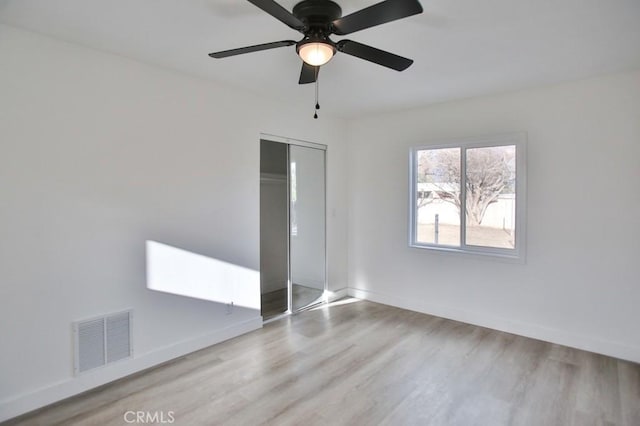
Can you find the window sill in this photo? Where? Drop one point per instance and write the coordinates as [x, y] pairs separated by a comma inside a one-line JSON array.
[[499, 255]]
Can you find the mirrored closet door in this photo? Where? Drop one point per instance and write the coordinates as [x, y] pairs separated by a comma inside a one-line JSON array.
[[292, 226]]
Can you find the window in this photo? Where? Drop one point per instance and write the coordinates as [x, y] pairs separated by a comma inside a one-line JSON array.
[[468, 196]]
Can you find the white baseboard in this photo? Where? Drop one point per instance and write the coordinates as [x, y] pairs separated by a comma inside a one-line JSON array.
[[547, 334], [337, 294], [55, 392]]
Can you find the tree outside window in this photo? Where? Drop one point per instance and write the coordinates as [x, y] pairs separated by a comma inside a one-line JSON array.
[[482, 179]]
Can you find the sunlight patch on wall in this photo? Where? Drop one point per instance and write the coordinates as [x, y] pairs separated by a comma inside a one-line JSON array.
[[181, 272]]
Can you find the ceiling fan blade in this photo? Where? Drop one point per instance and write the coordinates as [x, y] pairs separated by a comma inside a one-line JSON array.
[[279, 12], [380, 13], [374, 55], [308, 74], [249, 49]]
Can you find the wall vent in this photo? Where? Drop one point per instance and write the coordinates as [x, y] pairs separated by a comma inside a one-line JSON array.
[[103, 340]]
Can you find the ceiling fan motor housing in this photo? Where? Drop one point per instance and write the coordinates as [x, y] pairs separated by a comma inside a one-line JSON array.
[[317, 16], [317, 12]]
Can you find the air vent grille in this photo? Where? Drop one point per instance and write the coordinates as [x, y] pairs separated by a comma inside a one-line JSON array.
[[118, 337], [91, 344], [100, 341]]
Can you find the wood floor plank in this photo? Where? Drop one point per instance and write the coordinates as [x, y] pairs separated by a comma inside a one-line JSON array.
[[363, 363], [629, 381]]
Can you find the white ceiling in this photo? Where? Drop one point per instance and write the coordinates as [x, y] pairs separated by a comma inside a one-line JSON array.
[[461, 48]]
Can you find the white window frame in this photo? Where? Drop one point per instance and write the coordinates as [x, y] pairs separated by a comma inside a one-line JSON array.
[[517, 139]]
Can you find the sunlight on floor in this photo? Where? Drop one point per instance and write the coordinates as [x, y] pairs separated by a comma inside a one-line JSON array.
[[347, 300]]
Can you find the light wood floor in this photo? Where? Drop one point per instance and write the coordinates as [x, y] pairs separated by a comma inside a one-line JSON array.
[[275, 302], [366, 364]]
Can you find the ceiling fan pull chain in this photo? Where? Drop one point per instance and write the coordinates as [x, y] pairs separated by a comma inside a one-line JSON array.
[[315, 114]]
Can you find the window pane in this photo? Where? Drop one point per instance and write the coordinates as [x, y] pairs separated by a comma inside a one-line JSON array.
[[438, 197], [491, 196]]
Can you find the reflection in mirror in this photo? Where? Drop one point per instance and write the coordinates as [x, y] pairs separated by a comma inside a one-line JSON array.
[[307, 225]]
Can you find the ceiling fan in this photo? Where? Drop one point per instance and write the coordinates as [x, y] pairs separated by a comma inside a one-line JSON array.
[[319, 19]]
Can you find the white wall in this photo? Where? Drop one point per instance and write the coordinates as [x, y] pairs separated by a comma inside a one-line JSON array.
[[579, 285], [100, 154]]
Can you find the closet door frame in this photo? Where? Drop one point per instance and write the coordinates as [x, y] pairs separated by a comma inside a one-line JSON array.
[[289, 142]]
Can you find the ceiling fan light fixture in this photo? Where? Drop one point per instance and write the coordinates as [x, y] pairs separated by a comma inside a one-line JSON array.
[[316, 53]]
